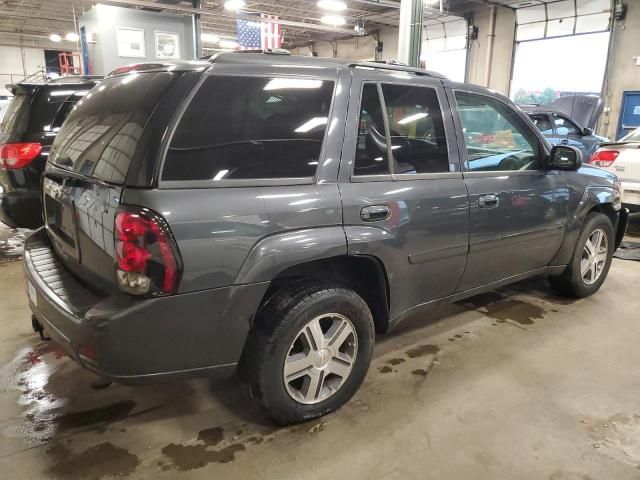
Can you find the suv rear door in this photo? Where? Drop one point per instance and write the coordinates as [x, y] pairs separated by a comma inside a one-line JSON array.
[[403, 195], [518, 210]]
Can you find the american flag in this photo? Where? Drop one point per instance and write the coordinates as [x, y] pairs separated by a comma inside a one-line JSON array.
[[255, 34]]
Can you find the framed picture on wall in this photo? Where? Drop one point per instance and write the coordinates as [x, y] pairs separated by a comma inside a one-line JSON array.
[[167, 45], [130, 42]]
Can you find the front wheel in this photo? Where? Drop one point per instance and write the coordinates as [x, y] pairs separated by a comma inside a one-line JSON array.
[[308, 352], [591, 259]]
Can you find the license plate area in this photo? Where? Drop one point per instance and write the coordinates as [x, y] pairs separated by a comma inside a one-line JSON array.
[[60, 221]]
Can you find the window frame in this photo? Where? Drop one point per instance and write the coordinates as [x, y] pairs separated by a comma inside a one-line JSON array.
[[462, 145], [399, 177], [248, 182]]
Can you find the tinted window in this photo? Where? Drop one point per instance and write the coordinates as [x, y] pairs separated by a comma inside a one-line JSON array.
[[101, 134], [15, 118], [495, 135], [51, 105], [371, 151], [542, 122], [418, 143], [251, 128], [564, 126]]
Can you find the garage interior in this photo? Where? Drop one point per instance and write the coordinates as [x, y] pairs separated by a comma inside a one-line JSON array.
[[516, 383]]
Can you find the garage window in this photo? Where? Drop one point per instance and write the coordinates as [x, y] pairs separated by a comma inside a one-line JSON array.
[[238, 128]]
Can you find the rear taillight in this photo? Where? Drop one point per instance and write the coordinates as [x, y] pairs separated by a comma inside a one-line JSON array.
[[18, 155], [147, 258], [604, 158]]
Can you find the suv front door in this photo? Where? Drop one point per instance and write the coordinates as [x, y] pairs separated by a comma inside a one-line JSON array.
[[518, 211], [403, 195]]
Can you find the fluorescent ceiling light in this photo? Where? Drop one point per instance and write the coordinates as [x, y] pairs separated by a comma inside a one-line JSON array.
[[333, 5], [210, 38], [229, 44], [54, 37], [285, 83], [71, 37], [234, 4], [412, 118], [333, 20], [311, 124]]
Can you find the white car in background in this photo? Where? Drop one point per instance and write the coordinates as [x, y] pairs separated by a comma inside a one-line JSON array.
[[623, 159]]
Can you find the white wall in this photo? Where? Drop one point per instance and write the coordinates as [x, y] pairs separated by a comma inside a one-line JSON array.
[[17, 63]]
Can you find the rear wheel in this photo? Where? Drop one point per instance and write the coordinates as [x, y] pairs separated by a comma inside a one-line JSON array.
[[591, 259], [308, 352]]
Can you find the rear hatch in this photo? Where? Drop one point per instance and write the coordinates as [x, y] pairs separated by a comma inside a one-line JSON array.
[[104, 139]]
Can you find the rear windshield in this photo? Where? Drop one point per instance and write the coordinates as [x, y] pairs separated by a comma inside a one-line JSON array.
[[240, 127], [42, 109], [100, 137]]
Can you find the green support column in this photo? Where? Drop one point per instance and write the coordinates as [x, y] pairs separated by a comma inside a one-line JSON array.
[[410, 35], [197, 31]]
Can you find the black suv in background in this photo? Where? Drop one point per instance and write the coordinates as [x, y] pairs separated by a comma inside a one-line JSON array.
[[27, 131]]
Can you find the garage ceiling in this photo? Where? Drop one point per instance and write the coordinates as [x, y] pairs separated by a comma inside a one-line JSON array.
[[29, 21]]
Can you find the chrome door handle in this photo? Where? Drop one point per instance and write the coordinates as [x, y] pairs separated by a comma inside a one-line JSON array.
[[374, 213], [488, 201]]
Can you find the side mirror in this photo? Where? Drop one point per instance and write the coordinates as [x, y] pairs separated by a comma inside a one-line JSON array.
[[564, 157], [587, 131]]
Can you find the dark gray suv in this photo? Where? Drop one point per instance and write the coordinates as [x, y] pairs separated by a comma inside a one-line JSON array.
[[269, 213]]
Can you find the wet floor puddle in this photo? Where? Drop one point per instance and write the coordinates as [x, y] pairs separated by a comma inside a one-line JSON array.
[[11, 243]]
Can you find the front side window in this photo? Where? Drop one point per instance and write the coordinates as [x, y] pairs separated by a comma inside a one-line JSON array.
[[541, 120], [564, 126], [240, 127], [496, 138]]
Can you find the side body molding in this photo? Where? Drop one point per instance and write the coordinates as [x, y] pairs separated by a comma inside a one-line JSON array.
[[278, 252]]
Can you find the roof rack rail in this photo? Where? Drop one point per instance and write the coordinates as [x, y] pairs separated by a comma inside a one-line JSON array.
[[396, 66], [76, 79], [266, 51]]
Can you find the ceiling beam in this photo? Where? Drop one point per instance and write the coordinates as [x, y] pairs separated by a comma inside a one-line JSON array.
[[203, 11]]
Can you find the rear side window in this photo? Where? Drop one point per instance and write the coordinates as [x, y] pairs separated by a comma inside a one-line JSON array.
[[103, 131], [371, 150], [240, 127], [418, 143], [415, 132]]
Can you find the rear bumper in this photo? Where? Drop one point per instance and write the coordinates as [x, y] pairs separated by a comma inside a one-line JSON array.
[[134, 340], [631, 195], [21, 208]]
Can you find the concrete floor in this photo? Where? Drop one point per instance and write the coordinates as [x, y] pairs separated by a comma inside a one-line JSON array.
[[516, 384]]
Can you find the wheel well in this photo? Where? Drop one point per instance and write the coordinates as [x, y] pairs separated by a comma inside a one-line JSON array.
[[363, 274], [608, 210]]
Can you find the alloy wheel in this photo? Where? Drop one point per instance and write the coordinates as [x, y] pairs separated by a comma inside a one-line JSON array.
[[594, 256], [320, 358]]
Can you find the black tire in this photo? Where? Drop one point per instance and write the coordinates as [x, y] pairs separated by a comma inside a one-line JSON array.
[[570, 283], [278, 324]]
